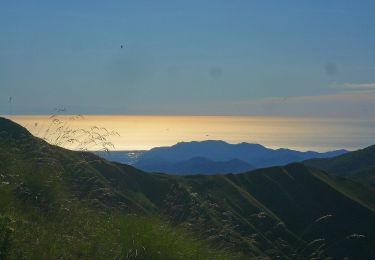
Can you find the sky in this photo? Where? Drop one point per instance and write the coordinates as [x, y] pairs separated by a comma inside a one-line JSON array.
[[233, 57]]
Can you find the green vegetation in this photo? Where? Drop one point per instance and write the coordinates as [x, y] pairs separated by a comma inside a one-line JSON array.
[[83, 233], [47, 212], [58, 203], [49, 224], [59, 131], [5, 236], [358, 165]]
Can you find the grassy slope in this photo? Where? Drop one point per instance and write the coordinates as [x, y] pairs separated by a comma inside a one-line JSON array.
[[358, 165], [57, 204], [286, 202], [79, 200]]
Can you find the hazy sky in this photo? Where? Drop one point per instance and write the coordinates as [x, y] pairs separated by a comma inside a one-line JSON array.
[[313, 58]]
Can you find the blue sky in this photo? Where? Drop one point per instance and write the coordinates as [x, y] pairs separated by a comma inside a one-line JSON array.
[[288, 58]]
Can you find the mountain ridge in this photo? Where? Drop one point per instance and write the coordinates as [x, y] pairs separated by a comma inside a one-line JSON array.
[[255, 155], [357, 165]]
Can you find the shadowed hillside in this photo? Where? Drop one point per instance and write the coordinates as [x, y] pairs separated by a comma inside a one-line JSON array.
[[61, 203], [195, 165], [358, 165]]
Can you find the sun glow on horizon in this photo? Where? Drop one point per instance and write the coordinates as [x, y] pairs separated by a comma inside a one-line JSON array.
[[147, 131]]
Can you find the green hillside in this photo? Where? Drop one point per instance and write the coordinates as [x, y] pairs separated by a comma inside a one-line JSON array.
[[358, 165], [56, 203]]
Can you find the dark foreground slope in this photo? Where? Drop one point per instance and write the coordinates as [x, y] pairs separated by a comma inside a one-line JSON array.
[[58, 204], [358, 165], [196, 165], [59, 197]]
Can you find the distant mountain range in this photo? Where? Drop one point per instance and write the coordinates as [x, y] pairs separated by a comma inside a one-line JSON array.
[[209, 157], [59, 204]]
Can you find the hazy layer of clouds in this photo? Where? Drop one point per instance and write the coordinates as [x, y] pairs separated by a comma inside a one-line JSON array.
[[359, 105], [357, 102], [355, 86], [346, 104]]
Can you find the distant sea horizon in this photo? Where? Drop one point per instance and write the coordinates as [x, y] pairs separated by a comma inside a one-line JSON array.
[[143, 132]]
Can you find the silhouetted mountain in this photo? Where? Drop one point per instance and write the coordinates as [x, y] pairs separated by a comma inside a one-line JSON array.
[[358, 165], [195, 165], [64, 200], [164, 159]]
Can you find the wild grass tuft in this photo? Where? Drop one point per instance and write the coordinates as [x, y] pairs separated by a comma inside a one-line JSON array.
[[60, 131]]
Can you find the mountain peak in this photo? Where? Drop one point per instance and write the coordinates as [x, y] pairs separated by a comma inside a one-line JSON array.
[[219, 151], [202, 142]]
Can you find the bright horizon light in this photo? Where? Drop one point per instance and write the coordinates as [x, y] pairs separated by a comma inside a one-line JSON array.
[[148, 131]]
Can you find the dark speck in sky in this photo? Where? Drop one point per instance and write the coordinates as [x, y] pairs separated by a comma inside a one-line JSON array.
[[331, 68]]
